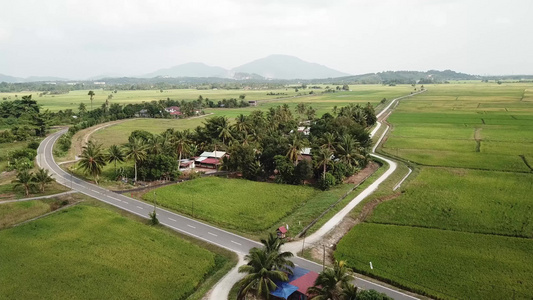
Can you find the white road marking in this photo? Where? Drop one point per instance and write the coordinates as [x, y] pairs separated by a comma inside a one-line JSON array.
[[212, 234], [172, 220], [191, 226], [237, 243], [140, 207]]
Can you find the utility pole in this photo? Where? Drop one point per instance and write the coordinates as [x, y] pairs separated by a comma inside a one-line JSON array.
[[192, 201], [324, 257], [303, 246], [154, 201]]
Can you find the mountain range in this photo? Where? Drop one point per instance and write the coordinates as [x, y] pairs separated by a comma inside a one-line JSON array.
[[270, 67]]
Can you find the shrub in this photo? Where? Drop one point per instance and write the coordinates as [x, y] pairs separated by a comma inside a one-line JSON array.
[[327, 182], [33, 145]]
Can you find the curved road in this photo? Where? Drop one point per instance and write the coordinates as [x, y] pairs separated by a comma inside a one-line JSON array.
[[202, 231]]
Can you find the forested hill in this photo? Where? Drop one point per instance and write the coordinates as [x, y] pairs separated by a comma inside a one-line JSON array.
[[403, 77]]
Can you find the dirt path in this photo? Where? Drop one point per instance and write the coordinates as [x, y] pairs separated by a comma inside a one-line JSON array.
[[346, 224]]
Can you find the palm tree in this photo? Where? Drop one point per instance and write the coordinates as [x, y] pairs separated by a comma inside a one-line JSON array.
[[136, 150], [281, 262], [241, 124], [24, 179], [181, 141], [295, 148], [114, 155], [349, 151], [91, 94], [330, 283], [92, 160], [43, 178], [261, 275], [349, 292], [224, 132], [328, 141], [323, 159]]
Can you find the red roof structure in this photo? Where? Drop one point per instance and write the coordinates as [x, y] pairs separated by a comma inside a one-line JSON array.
[[282, 229], [305, 282]]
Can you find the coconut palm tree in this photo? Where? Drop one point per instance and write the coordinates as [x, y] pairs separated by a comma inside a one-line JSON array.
[[328, 140], [91, 94], [224, 132], [42, 178], [114, 155], [241, 124], [181, 142], [92, 160], [349, 151], [295, 147], [136, 150], [349, 292], [273, 244], [330, 283], [26, 180], [323, 159], [261, 274]]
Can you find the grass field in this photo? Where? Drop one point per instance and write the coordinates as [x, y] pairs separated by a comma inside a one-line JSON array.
[[87, 252], [464, 200], [238, 204], [461, 228], [442, 263], [16, 212], [71, 100]]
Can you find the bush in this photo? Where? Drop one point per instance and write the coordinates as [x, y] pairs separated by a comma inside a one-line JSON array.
[[33, 145], [64, 142], [327, 182], [372, 295]]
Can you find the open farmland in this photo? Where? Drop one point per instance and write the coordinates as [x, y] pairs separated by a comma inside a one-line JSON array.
[[121, 258], [462, 226], [237, 204]]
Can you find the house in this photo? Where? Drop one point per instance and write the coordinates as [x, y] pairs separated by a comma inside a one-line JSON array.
[[143, 113], [305, 154], [304, 129], [174, 111], [252, 103], [186, 164], [297, 285], [210, 160]]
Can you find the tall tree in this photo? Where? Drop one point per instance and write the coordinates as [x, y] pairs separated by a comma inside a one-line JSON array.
[[91, 94], [92, 160], [82, 109], [26, 180], [261, 276], [42, 178], [296, 146], [114, 155], [330, 283], [180, 142], [136, 149], [323, 158], [349, 151]]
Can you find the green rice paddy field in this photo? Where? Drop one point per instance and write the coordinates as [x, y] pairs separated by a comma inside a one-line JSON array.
[[89, 252], [462, 227]]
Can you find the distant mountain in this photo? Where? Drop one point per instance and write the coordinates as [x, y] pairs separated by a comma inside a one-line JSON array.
[[10, 79], [287, 67], [402, 77], [193, 69]]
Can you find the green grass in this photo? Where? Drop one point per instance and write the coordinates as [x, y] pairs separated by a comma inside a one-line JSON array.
[[464, 200], [16, 212], [86, 252], [5, 148], [444, 264], [236, 204], [460, 230]]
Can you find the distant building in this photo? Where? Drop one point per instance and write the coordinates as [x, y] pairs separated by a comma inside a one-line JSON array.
[[209, 160], [99, 82], [304, 129], [174, 111], [252, 103], [305, 154]]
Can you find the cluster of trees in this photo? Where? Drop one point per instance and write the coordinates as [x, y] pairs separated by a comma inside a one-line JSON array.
[[268, 265], [31, 182]]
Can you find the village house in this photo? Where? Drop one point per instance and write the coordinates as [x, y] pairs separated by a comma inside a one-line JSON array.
[[174, 111], [209, 160], [297, 285]]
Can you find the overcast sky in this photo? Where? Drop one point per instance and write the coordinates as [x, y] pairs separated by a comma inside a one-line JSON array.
[[79, 39]]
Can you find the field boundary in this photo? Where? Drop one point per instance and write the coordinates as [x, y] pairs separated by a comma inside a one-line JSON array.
[[526, 162], [306, 228]]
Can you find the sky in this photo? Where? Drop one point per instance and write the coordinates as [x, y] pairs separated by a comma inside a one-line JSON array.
[[80, 39]]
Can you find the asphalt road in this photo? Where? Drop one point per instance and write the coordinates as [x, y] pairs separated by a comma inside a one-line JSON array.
[[182, 224]]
